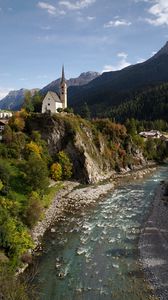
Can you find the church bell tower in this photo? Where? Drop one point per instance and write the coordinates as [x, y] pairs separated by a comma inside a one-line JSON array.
[[63, 90]]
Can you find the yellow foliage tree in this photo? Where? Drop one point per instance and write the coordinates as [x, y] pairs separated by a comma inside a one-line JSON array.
[[33, 147], [56, 171]]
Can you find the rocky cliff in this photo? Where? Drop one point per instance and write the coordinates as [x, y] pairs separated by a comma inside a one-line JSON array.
[[96, 149]]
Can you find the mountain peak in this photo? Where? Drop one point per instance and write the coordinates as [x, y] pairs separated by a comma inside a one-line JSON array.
[[162, 51]]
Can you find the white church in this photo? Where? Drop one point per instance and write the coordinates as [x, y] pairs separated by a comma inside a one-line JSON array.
[[53, 101]]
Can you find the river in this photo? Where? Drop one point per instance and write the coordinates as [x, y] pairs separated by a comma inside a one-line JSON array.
[[95, 255]]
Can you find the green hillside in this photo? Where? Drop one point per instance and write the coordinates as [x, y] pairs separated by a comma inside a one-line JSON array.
[[151, 104]]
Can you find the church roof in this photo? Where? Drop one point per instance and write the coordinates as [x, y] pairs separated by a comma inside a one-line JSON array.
[[63, 75], [54, 96]]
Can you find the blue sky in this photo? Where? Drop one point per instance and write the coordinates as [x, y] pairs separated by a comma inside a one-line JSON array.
[[37, 37]]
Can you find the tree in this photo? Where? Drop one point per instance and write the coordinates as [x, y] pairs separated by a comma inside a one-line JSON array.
[[36, 174], [28, 102], [5, 174], [131, 126], [17, 122], [14, 237], [7, 135], [56, 171], [10, 286], [66, 164], [33, 209], [150, 149], [32, 147], [85, 112], [37, 101], [68, 110]]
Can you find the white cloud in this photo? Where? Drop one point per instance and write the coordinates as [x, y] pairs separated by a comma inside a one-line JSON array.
[[122, 63], [90, 18], [52, 10], [77, 5], [117, 23], [4, 92], [159, 12]]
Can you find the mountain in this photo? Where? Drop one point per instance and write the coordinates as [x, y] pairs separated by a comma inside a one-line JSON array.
[[83, 79], [14, 99], [113, 88], [149, 105]]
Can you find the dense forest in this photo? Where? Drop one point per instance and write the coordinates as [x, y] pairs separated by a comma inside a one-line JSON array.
[[151, 104]]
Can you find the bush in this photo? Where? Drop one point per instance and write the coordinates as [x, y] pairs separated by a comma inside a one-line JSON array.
[[5, 174], [33, 210], [10, 286], [68, 110], [66, 164], [56, 171], [59, 110], [14, 237], [36, 174], [33, 147]]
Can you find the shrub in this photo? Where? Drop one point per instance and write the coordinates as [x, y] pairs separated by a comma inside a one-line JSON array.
[[68, 110], [7, 135], [33, 147], [5, 174], [10, 286], [36, 174], [59, 110], [56, 171], [33, 210], [17, 122], [14, 237], [66, 164]]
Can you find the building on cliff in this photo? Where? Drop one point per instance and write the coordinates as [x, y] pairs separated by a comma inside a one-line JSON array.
[[53, 101]]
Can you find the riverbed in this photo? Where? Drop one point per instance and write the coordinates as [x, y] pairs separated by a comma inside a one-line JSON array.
[[94, 254]]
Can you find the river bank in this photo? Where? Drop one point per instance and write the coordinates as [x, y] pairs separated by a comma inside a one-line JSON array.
[[153, 244], [74, 197], [95, 250]]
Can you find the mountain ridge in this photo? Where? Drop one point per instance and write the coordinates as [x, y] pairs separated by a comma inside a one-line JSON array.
[[109, 89], [15, 98]]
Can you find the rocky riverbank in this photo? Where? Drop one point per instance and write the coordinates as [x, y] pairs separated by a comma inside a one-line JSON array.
[[153, 244], [74, 197]]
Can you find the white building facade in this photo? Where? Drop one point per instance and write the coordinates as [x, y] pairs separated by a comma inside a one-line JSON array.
[[53, 101]]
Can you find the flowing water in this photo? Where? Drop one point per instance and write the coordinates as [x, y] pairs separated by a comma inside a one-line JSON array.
[[95, 256]]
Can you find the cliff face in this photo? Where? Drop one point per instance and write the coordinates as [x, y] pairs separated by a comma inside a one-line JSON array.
[[95, 153]]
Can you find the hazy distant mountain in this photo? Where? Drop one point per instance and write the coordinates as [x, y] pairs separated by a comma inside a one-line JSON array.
[[83, 79], [112, 88], [14, 99]]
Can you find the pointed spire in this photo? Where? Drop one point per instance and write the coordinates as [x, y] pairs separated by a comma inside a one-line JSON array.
[[63, 75]]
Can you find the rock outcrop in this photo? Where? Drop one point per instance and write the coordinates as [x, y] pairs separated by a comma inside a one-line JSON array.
[[88, 148]]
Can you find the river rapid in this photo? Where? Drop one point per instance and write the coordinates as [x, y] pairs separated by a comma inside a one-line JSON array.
[[94, 255]]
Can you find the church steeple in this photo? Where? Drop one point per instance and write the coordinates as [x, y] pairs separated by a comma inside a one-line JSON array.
[[63, 75], [63, 89]]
